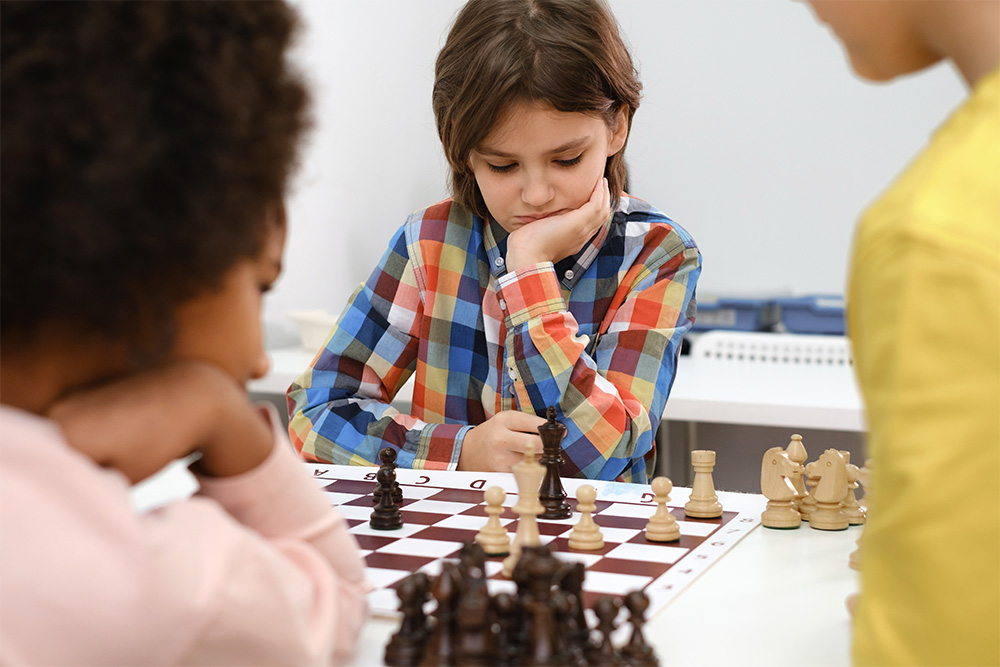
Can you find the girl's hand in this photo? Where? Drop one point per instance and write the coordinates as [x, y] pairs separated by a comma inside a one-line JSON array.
[[139, 424], [499, 442], [558, 236]]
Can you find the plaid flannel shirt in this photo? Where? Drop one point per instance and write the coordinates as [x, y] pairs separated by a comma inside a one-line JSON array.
[[596, 335]]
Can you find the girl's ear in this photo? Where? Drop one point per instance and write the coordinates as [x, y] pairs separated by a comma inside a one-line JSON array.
[[618, 136]]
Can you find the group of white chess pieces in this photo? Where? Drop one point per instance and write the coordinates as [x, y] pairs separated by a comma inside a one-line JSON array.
[[586, 534], [830, 502]]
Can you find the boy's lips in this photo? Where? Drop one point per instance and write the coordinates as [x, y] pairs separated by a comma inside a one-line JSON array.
[[537, 216]]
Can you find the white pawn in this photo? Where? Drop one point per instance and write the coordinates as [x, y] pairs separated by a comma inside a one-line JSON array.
[[493, 537], [586, 535], [662, 526], [704, 503]]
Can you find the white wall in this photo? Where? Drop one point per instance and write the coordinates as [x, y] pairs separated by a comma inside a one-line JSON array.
[[753, 134]]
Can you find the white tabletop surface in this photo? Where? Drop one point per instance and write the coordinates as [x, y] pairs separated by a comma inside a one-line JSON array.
[[705, 390]]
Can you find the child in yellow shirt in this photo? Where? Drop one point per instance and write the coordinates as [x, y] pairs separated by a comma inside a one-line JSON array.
[[924, 321]]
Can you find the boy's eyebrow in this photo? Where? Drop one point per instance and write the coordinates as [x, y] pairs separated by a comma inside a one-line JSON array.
[[568, 146]]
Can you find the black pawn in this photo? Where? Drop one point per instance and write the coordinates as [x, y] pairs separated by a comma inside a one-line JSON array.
[[406, 647], [637, 652], [386, 515], [387, 455], [603, 651], [445, 589], [552, 495]]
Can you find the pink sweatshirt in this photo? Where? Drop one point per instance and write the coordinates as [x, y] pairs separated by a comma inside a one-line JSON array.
[[255, 569]]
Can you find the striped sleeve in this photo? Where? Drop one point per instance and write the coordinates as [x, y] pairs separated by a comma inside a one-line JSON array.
[[339, 407], [602, 387]]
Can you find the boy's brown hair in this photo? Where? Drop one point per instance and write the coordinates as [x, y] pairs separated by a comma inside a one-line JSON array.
[[567, 53]]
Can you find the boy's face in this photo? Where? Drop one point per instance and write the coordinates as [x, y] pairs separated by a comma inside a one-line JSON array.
[[537, 161], [223, 327], [882, 39]]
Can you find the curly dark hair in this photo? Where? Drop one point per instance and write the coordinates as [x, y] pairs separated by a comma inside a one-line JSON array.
[[146, 145]]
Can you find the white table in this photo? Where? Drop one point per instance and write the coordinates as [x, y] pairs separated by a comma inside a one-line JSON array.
[[777, 599], [800, 396], [706, 390]]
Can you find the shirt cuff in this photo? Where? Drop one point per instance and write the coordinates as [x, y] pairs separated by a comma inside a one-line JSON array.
[[530, 291], [276, 498]]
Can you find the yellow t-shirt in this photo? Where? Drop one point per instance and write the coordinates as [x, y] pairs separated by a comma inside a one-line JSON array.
[[924, 319]]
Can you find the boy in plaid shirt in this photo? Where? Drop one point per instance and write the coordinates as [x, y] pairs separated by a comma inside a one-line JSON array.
[[539, 283]]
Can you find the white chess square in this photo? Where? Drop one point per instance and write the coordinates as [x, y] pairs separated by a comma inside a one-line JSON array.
[[577, 557], [627, 509], [438, 506], [467, 522], [418, 492], [383, 578], [415, 546], [697, 529], [613, 582], [647, 552], [355, 512], [338, 499]]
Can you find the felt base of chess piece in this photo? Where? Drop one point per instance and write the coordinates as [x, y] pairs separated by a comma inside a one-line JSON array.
[[386, 517], [828, 518], [781, 515]]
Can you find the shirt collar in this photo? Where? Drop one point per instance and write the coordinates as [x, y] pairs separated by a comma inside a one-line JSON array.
[[569, 269]]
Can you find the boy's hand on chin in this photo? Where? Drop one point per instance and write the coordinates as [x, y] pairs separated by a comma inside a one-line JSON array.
[[139, 424], [558, 236]]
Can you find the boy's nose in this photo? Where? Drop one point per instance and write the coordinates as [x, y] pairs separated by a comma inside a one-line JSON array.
[[536, 191]]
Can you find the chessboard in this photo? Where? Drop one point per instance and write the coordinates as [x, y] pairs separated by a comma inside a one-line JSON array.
[[444, 509]]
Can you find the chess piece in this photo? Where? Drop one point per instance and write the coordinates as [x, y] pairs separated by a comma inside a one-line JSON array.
[[807, 504], [662, 526], [493, 537], [865, 477], [831, 488], [508, 627], [603, 651], [387, 455], [528, 474], [552, 495], [572, 619], [406, 646], [704, 503], [797, 454], [851, 507], [474, 623], [777, 473], [441, 644], [386, 515], [586, 535], [541, 643], [637, 652]]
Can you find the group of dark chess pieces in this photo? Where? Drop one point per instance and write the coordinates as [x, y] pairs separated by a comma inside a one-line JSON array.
[[542, 623]]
